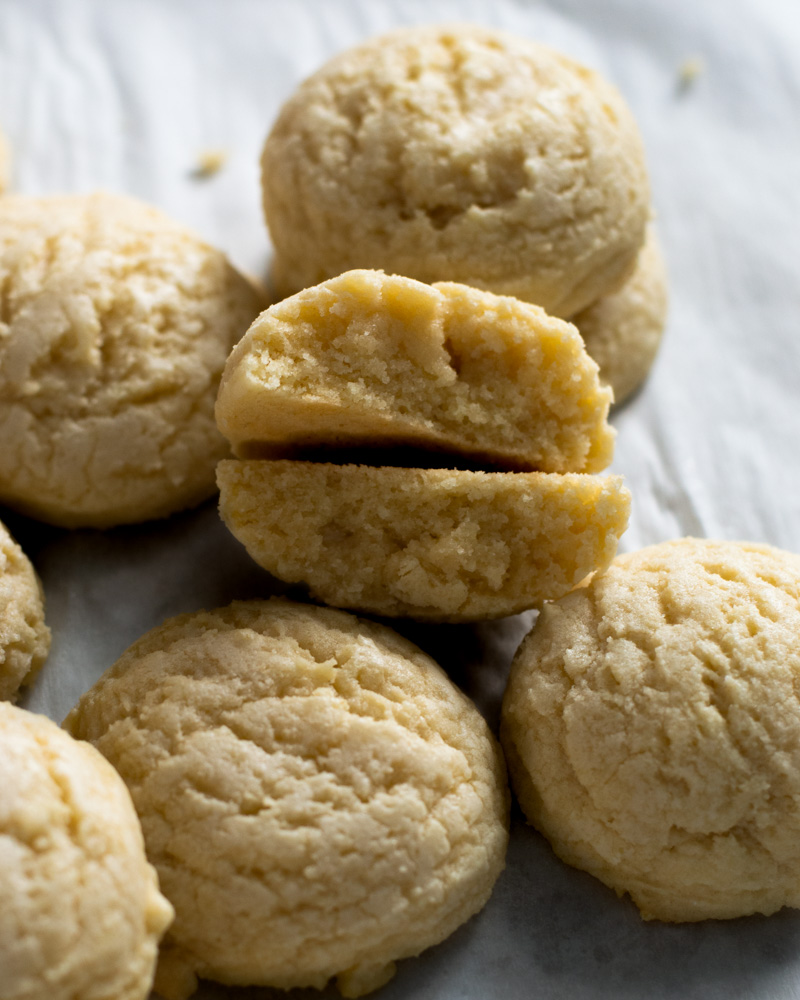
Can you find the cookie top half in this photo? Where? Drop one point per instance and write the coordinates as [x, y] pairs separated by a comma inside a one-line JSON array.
[[317, 796], [458, 153], [81, 915], [370, 359], [115, 323], [652, 728]]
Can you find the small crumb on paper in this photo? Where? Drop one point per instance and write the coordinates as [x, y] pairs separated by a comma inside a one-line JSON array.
[[689, 70], [209, 162]]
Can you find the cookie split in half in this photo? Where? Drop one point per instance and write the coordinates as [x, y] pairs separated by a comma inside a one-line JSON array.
[[317, 796], [652, 728], [387, 376]]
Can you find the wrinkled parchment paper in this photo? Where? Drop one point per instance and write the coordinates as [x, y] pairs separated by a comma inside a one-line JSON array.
[[128, 94]]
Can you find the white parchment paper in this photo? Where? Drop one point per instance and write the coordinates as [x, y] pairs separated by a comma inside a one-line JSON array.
[[125, 94]]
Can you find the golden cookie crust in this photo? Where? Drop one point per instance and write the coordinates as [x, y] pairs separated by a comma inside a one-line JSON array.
[[116, 323], [431, 544], [24, 637], [652, 728], [318, 798], [369, 359], [81, 915], [622, 331], [458, 153]]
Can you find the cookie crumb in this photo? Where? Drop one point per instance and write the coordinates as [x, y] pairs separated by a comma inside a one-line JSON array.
[[689, 70], [209, 163]]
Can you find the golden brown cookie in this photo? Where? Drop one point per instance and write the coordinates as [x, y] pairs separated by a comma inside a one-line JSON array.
[[458, 153], [24, 637], [81, 915], [115, 324], [652, 728], [368, 359], [622, 331], [317, 796], [431, 544]]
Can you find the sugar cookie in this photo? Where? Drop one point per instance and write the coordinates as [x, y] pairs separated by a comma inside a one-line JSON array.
[[426, 543], [458, 153], [652, 728], [622, 331], [317, 796], [115, 323], [24, 637], [81, 914], [371, 359]]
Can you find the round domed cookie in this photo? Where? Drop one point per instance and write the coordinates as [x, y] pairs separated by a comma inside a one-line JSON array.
[[81, 915], [115, 324], [458, 153], [622, 331], [652, 728], [431, 544], [317, 796], [24, 637]]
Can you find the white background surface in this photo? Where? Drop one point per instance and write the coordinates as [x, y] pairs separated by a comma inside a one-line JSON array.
[[124, 94]]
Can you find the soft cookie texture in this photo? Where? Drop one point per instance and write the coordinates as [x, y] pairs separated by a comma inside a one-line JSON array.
[[622, 331], [318, 798], [368, 359], [81, 915], [433, 544], [652, 728], [458, 154], [115, 323], [24, 637]]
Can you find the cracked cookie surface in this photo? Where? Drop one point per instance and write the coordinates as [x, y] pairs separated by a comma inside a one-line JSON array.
[[374, 360], [24, 637], [81, 914], [652, 728], [458, 153], [318, 798], [115, 323]]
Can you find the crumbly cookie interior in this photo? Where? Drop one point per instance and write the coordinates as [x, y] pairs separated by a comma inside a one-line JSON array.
[[368, 358], [434, 544]]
